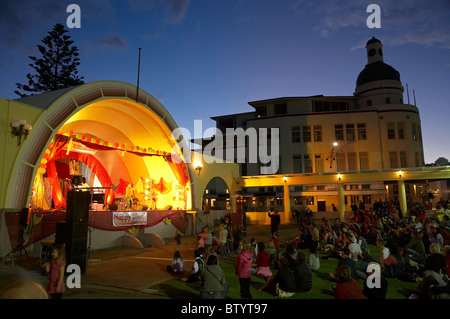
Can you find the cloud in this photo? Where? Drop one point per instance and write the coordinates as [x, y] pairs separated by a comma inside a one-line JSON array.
[[141, 6], [408, 21], [112, 40], [176, 9], [24, 18]]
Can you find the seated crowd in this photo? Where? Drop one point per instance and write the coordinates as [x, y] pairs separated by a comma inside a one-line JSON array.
[[414, 247]]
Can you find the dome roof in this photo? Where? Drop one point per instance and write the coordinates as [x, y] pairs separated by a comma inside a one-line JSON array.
[[373, 40], [377, 71]]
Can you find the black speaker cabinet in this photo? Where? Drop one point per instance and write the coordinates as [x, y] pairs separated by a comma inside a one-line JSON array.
[[78, 202], [61, 233], [76, 253], [74, 236]]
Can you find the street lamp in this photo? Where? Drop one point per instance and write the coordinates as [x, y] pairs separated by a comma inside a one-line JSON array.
[[20, 128], [198, 167]]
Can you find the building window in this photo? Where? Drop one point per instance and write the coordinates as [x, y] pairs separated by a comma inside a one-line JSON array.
[[369, 102], [339, 132], [261, 111], [295, 134], [350, 131], [361, 131], [414, 132], [317, 133], [351, 158], [416, 159], [243, 167], [306, 134], [319, 163], [340, 161], [388, 100], [297, 164], [393, 158], [308, 164], [363, 161], [280, 108], [400, 131], [391, 130], [403, 159]]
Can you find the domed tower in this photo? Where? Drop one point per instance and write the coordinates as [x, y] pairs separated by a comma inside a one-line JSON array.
[[379, 83]]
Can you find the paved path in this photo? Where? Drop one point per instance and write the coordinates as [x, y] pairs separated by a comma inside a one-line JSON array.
[[123, 272]]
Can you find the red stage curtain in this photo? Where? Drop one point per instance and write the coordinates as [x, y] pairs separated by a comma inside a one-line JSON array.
[[179, 170], [97, 168], [57, 195], [121, 189]]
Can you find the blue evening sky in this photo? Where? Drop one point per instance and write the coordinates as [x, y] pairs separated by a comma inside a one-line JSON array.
[[204, 58]]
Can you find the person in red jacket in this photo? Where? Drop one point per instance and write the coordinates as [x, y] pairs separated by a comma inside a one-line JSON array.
[[261, 267], [347, 287], [243, 269]]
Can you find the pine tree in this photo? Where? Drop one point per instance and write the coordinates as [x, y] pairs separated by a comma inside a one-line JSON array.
[[57, 68]]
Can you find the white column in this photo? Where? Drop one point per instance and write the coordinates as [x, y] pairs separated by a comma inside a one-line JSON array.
[[402, 196]]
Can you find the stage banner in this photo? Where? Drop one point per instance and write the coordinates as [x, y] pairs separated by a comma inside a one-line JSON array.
[[126, 218]]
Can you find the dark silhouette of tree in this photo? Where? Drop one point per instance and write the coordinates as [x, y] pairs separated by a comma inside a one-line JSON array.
[[441, 161], [57, 68]]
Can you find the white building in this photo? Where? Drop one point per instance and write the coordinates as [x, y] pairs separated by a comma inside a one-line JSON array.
[[372, 130]]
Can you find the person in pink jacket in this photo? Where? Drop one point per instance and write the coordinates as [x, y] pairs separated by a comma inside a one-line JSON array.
[[243, 269]]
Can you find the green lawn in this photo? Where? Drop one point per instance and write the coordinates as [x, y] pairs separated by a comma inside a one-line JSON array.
[[321, 284]]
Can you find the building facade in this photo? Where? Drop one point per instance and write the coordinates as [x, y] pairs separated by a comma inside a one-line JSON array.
[[371, 130]]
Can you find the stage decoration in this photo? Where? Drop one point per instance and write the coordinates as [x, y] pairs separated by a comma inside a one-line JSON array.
[[122, 188], [134, 218], [98, 144], [103, 220], [133, 231], [73, 145], [166, 221], [174, 160], [163, 187]]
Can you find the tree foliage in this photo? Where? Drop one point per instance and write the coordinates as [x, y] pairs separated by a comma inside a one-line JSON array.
[[57, 68]]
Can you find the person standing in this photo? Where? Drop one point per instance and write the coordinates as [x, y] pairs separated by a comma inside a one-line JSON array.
[[274, 221], [223, 236], [243, 269], [55, 269]]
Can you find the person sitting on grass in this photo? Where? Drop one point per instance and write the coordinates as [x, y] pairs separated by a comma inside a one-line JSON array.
[[347, 261], [177, 266], [197, 267], [261, 267], [214, 283], [283, 283], [347, 287], [302, 274]]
